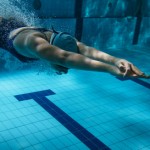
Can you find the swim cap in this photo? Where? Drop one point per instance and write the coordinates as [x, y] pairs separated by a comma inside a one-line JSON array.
[[64, 41]]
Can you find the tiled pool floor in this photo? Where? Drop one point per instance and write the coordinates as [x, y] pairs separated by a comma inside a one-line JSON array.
[[104, 111]]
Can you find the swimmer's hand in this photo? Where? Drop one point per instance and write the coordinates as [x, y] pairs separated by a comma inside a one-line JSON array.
[[122, 73], [129, 70]]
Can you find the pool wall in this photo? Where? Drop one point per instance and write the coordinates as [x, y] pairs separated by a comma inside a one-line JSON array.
[[103, 24]]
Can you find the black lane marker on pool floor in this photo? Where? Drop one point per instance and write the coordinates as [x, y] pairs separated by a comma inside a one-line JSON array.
[[139, 81], [74, 127]]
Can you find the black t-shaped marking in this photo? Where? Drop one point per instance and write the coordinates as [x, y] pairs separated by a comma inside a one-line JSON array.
[[74, 127]]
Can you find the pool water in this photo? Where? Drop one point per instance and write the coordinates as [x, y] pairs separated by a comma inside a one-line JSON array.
[[81, 110]]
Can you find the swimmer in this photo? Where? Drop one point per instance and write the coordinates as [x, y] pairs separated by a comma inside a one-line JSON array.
[[62, 50]]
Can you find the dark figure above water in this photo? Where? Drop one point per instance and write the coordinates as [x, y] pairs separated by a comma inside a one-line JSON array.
[[62, 50]]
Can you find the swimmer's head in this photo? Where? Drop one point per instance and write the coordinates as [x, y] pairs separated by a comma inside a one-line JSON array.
[[59, 69], [65, 42]]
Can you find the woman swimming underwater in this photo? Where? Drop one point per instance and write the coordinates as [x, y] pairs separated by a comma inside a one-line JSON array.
[[60, 49]]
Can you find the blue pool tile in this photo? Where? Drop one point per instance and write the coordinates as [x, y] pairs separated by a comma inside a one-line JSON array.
[[72, 138], [3, 117], [14, 145], [81, 146], [32, 139], [24, 130], [29, 148], [66, 141], [17, 122], [4, 146], [1, 139], [40, 137], [32, 128], [24, 120], [73, 147], [48, 145], [8, 124], [48, 134], [58, 143], [2, 127], [6, 135], [23, 142], [15, 132], [39, 147]]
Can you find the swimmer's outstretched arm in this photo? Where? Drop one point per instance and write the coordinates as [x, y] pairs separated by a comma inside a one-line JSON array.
[[125, 66], [42, 49], [93, 53]]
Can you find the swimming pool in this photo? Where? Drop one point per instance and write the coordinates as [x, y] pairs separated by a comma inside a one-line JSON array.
[[80, 110]]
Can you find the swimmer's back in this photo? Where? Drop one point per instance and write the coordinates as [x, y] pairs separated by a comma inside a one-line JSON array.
[[21, 36]]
